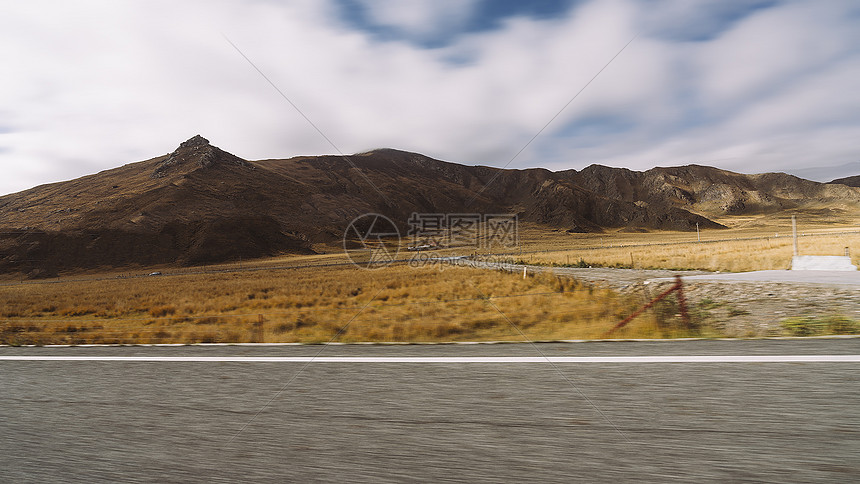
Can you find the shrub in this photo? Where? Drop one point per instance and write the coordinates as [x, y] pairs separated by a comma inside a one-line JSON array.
[[78, 311], [737, 312], [802, 326], [842, 325], [161, 311], [811, 326]]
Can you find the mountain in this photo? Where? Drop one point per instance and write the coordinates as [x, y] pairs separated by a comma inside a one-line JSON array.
[[195, 205], [714, 192], [851, 181], [824, 173], [200, 204]]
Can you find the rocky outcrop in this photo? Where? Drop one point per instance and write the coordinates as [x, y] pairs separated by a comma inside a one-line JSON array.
[[195, 153]]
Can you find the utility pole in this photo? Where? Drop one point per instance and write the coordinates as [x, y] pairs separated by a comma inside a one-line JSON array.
[[698, 237], [794, 232]]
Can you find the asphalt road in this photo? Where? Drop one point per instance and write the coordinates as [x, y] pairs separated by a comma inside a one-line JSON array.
[[211, 421]]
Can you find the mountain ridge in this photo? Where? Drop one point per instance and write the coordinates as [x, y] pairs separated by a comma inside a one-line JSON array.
[[200, 204], [851, 181]]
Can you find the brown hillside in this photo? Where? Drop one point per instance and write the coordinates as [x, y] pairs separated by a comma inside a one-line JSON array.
[[851, 181], [711, 191], [197, 204], [200, 204]]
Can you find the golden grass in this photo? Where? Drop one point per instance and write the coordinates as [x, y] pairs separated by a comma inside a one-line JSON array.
[[654, 249], [751, 243], [732, 256], [317, 305], [297, 299]]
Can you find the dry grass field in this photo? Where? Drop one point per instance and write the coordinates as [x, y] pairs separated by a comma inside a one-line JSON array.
[[750, 244], [726, 256], [320, 298], [318, 305]]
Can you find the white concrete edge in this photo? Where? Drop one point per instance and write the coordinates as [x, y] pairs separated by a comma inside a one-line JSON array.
[[450, 359], [444, 343], [727, 277]]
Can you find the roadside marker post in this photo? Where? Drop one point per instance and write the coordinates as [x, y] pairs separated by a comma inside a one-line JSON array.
[[794, 233]]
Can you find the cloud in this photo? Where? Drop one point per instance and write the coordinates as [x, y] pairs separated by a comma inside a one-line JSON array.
[[770, 92], [757, 87], [702, 20], [420, 20]]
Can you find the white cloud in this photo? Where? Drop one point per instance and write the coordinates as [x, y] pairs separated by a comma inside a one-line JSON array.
[[97, 84], [771, 50]]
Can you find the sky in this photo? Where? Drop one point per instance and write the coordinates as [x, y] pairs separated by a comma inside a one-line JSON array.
[[749, 86]]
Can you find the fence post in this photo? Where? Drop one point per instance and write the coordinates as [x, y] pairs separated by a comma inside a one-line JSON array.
[[682, 306], [682, 301]]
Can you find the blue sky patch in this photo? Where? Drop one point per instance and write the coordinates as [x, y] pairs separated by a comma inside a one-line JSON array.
[[488, 15]]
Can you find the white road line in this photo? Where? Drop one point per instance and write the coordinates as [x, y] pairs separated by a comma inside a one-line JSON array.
[[454, 359]]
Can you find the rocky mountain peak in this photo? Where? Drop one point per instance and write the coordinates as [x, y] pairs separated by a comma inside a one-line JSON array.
[[195, 140], [196, 152]]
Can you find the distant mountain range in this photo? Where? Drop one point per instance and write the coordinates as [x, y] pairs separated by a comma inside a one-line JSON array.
[[825, 173], [200, 204], [851, 181]]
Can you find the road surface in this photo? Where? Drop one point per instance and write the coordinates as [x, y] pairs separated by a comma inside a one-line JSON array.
[[830, 278], [170, 419]]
